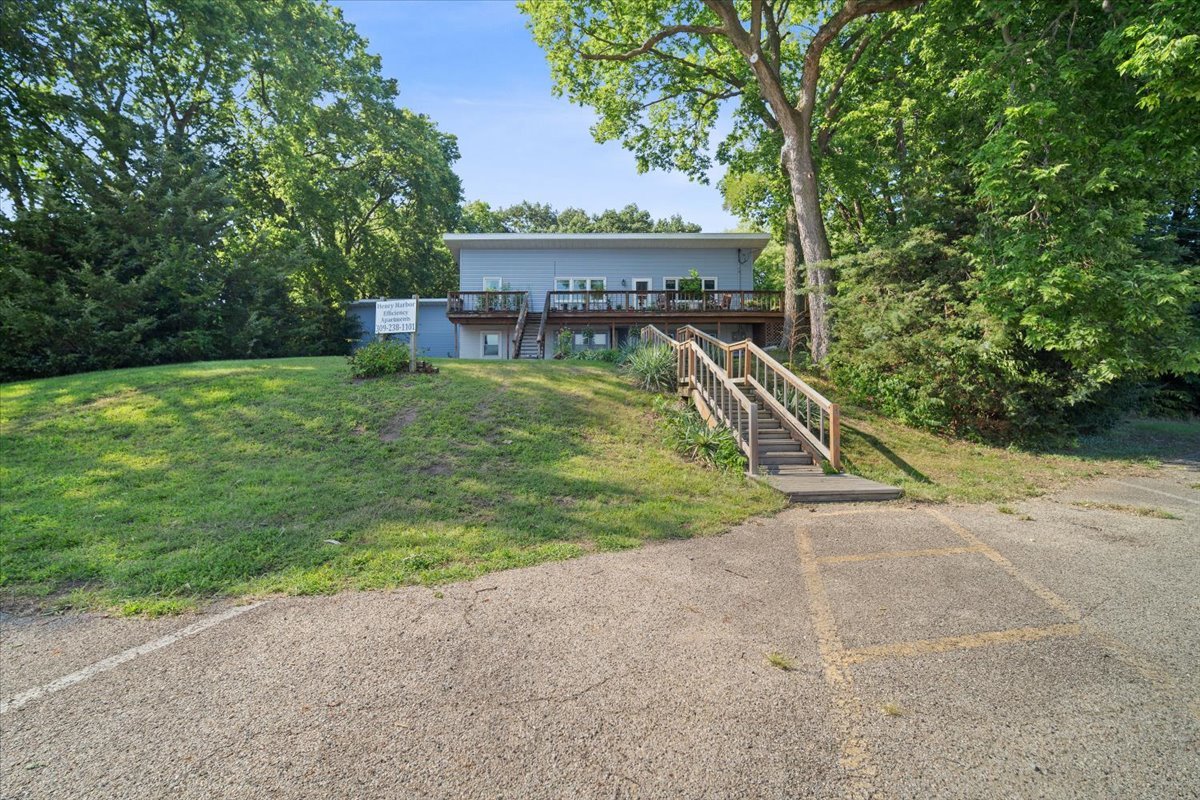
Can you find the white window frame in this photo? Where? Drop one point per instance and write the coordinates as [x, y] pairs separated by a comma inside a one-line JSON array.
[[575, 300], [499, 287], [703, 281], [641, 297], [483, 344]]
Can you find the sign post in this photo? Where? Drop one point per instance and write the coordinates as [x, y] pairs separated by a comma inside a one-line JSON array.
[[412, 338], [399, 316]]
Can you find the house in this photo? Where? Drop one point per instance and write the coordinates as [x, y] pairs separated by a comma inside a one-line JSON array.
[[527, 295], [436, 337]]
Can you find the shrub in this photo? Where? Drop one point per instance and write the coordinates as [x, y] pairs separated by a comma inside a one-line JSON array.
[[378, 358], [653, 367], [688, 434], [912, 342], [563, 343], [608, 356]]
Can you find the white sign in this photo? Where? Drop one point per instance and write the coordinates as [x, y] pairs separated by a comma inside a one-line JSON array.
[[395, 316]]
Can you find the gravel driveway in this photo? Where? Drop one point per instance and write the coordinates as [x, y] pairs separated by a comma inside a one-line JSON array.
[[948, 651]]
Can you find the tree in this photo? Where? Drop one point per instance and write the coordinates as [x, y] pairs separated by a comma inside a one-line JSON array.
[[195, 180], [657, 72], [527, 217]]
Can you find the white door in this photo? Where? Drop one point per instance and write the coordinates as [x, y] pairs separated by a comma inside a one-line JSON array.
[[641, 288]]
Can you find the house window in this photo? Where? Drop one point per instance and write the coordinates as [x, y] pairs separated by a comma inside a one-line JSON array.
[[493, 284], [575, 293], [598, 340], [491, 344], [672, 284]]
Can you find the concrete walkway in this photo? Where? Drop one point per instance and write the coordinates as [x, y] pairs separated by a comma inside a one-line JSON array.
[[935, 651]]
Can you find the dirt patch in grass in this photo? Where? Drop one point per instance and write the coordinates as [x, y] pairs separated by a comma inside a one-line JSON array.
[[396, 425], [437, 468]]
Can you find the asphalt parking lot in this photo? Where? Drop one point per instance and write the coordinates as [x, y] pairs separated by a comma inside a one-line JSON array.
[[921, 651]]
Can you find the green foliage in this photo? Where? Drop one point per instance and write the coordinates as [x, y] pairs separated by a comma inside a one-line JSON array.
[[692, 284], [564, 343], [652, 367], [689, 435], [526, 217], [606, 355], [914, 343], [379, 358], [194, 181]]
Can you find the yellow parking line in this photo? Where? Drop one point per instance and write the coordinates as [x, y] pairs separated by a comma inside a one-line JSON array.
[[859, 655], [856, 752], [889, 554], [1158, 676], [853, 511], [1050, 598]]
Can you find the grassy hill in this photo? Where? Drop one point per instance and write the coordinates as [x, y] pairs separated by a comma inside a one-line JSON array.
[[150, 488], [937, 468]]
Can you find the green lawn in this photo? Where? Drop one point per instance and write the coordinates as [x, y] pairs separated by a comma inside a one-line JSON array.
[[150, 489], [937, 468]]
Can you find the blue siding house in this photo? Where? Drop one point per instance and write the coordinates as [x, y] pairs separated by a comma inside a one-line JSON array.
[[436, 335], [519, 292]]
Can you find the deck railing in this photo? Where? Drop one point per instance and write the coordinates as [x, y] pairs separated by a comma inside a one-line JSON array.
[[664, 302], [485, 302]]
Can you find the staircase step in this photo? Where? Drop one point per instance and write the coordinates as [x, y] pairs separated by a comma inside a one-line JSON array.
[[779, 446], [785, 458]]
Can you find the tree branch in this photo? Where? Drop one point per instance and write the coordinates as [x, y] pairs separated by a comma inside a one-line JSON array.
[[649, 44]]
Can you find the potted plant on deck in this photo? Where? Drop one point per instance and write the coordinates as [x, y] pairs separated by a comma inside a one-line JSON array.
[[691, 291]]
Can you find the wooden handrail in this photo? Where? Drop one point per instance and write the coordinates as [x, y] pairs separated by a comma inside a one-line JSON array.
[[789, 376], [541, 337], [824, 437], [708, 381], [651, 333], [519, 330]]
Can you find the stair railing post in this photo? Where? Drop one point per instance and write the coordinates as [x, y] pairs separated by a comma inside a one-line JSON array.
[[752, 456], [835, 436]]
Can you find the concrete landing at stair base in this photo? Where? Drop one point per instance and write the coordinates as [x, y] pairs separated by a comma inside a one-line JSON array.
[[817, 487]]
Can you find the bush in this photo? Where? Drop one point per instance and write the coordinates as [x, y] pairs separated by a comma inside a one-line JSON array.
[[378, 358], [689, 435], [912, 341], [609, 356], [653, 367]]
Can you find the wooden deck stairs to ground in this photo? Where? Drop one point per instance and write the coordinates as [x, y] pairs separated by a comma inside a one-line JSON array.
[[788, 432], [528, 346]]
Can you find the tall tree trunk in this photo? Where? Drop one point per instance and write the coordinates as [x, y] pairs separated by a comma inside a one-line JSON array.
[[791, 267], [814, 243]]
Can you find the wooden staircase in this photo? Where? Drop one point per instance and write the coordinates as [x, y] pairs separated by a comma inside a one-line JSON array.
[[528, 346], [788, 432], [778, 452]]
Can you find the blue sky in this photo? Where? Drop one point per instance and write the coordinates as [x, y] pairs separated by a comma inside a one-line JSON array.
[[473, 68]]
